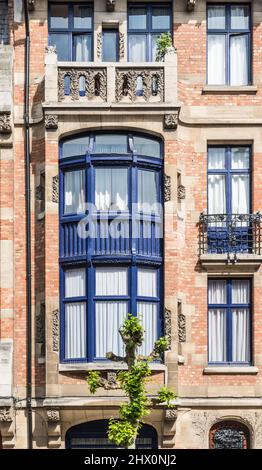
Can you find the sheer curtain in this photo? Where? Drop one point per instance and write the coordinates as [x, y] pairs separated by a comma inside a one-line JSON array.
[[240, 194], [216, 158], [137, 47], [110, 314], [75, 330], [111, 189], [217, 322], [216, 194], [239, 60], [147, 287], [240, 322], [216, 59], [74, 191], [82, 48], [216, 17], [147, 190]]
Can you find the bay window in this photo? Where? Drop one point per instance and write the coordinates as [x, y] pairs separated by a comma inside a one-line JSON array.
[[229, 44]]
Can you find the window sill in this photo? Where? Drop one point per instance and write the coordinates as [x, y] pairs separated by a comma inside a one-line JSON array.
[[230, 370], [213, 262], [107, 365], [229, 89]]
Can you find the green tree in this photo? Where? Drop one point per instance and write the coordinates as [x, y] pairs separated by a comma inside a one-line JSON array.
[[123, 431], [163, 42]]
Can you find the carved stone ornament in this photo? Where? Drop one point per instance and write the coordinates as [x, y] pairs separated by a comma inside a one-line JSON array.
[[5, 415], [170, 121], [53, 415], [99, 44], [151, 84], [181, 192], [190, 5], [5, 123], [121, 45], [170, 414], [55, 189], [168, 325], [110, 5], [95, 83], [51, 121], [181, 328], [55, 330], [167, 188], [39, 193], [110, 383], [50, 50]]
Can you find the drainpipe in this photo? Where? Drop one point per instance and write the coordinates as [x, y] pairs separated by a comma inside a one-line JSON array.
[[28, 233]]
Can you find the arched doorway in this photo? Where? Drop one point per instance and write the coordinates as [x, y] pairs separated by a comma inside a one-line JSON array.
[[229, 435], [93, 435]]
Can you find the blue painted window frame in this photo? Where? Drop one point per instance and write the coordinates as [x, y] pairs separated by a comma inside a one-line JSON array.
[[71, 31], [89, 161], [228, 32], [228, 172], [148, 31], [228, 307]]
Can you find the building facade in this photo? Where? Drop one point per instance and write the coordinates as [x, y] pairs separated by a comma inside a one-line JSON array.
[[145, 198]]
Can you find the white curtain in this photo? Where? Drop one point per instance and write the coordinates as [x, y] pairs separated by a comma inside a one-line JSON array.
[[240, 292], [216, 194], [216, 17], [216, 158], [137, 48], [75, 283], [74, 191], [147, 190], [240, 194], [82, 48], [239, 17], [217, 335], [147, 282], [111, 281], [216, 59], [111, 189], [239, 60], [110, 317], [241, 335], [240, 158], [75, 330], [217, 292], [148, 313]]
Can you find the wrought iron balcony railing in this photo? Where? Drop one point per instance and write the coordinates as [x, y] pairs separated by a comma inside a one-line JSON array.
[[230, 233]]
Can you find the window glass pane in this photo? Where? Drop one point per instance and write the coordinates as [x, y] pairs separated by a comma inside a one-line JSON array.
[[61, 43], [239, 17], [217, 335], [137, 47], [82, 17], [240, 190], [216, 158], [76, 147], [111, 143], [239, 60], [217, 292], [216, 194], [147, 191], [148, 313], [59, 16], [82, 44], [216, 59], [75, 330], [146, 146], [111, 189], [75, 285], [109, 317], [147, 282], [154, 46], [111, 281], [240, 335], [137, 18], [161, 18], [110, 40], [74, 182], [216, 17], [240, 292], [239, 158]]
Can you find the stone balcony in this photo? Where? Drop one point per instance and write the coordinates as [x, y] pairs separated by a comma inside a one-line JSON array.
[[93, 86]]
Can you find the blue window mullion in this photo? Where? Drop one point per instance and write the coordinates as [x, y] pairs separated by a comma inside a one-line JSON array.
[[91, 324]]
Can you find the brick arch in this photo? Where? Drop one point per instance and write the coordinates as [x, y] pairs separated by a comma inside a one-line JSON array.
[[229, 434]]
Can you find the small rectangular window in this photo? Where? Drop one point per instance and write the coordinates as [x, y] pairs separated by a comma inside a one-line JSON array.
[[111, 281], [59, 16], [110, 45], [74, 193]]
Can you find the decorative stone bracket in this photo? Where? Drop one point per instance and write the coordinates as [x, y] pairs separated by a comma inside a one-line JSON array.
[[181, 192], [55, 187], [110, 5], [51, 121], [168, 326], [54, 428], [169, 427], [7, 428], [5, 123], [171, 121], [190, 5], [55, 330], [110, 383], [167, 188], [181, 328]]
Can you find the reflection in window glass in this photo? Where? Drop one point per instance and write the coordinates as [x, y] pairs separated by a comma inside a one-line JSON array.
[[111, 189], [78, 146], [147, 191], [161, 18], [137, 47], [239, 17], [111, 143], [110, 40], [137, 18], [216, 17], [59, 16], [82, 17], [240, 158], [74, 195], [60, 41], [145, 146], [216, 158]]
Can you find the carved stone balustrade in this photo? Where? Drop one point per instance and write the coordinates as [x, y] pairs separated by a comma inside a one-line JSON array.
[[103, 85]]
